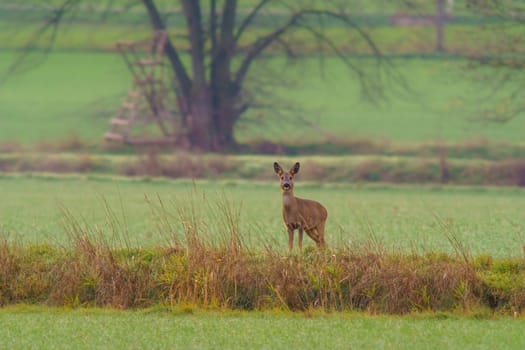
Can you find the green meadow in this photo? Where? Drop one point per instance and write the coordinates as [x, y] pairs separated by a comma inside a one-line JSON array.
[[25, 327], [78, 93], [410, 218], [78, 86]]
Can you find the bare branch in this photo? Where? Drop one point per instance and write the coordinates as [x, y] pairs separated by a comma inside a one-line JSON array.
[[171, 51], [50, 28], [262, 43], [228, 24], [248, 19], [371, 91], [212, 33], [499, 66], [296, 21], [192, 11]]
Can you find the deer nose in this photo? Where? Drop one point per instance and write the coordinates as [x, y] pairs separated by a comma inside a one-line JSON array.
[[286, 186]]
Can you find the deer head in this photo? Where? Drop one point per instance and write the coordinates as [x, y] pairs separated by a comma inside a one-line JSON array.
[[286, 177]]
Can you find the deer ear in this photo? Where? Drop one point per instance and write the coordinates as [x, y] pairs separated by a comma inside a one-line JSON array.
[[295, 168], [277, 168]]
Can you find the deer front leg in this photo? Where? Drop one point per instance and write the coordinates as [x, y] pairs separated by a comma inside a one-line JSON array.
[[290, 238]]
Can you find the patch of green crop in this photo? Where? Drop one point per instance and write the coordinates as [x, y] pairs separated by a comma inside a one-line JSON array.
[[78, 93], [488, 221], [25, 327]]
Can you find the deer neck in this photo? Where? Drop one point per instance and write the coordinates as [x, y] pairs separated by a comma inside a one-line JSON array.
[[289, 200]]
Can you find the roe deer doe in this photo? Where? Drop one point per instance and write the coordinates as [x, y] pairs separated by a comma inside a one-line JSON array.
[[300, 214]]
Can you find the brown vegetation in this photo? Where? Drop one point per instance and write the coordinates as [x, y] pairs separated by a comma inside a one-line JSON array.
[[71, 143], [510, 172], [11, 147], [478, 148], [49, 163], [183, 165], [474, 162], [232, 277]]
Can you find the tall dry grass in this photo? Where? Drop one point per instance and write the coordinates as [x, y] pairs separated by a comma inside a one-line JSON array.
[[193, 268]]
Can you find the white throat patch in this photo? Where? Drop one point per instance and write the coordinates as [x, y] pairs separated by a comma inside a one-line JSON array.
[[286, 200]]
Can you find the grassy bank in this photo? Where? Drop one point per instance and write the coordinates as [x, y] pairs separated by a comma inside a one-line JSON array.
[[361, 277]]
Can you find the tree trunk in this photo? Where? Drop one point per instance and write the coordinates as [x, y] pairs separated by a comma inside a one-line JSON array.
[[225, 119], [201, 133], [224, 99], [210, 126], [224, 93], [211, 117]]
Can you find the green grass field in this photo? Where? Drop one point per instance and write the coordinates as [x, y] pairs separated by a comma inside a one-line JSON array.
[[27, 327], [401, 218], [78, 93]]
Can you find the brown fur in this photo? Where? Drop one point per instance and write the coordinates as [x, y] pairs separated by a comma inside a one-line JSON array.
[[300, 214]]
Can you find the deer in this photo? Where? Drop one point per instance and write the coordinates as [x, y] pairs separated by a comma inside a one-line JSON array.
[[300, 214]]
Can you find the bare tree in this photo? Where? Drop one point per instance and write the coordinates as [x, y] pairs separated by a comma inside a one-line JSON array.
[[497, 58], [224, 42]]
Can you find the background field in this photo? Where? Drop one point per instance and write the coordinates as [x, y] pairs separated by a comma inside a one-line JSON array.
[[77, 87], [78, 93], [400, 218], [179, 329]]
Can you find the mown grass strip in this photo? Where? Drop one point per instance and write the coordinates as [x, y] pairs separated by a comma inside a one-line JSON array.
[[191, 328]]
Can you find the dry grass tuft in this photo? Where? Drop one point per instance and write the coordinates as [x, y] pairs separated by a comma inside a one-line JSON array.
[[93, 274]]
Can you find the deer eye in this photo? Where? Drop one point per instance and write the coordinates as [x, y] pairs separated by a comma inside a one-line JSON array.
[[282, 177]]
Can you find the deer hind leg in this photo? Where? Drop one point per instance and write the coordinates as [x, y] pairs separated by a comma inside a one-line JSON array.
[[317, 234], [320, 230], [313, 235]]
